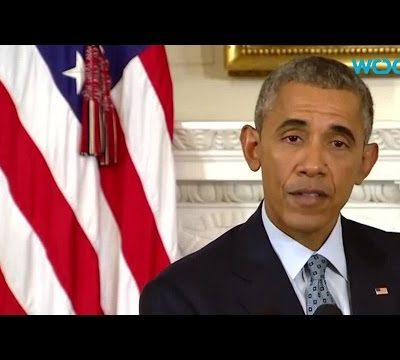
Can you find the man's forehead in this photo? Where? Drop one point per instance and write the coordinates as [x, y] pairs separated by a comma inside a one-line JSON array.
[[294, 98], [302, 90]]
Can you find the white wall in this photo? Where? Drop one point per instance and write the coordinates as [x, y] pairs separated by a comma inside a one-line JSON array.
[[204, 91], [216, 190]]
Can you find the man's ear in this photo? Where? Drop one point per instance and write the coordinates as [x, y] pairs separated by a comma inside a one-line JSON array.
[[250, 140], [370, 156]]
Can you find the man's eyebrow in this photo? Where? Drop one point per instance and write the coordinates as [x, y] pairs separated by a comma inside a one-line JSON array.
[[292, 123], [343, 130], [298, 123]]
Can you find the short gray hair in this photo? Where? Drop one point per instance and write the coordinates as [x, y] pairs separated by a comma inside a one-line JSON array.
[[319, 71]]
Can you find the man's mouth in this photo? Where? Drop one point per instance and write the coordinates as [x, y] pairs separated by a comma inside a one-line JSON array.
[[309, 192], [308, 197]]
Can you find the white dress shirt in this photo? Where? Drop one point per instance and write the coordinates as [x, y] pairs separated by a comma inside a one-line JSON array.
[[294, 256]]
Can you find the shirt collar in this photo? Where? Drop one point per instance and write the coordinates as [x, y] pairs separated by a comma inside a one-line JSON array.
[[294, 255]]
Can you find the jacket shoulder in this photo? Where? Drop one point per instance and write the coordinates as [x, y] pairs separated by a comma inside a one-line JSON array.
[[381, 239], [192, 284], [355, 225]]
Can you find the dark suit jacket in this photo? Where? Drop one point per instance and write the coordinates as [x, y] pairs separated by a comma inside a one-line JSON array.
[[239, 273]]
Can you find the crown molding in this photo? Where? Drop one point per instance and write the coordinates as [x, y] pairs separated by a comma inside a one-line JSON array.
[[209, 192]]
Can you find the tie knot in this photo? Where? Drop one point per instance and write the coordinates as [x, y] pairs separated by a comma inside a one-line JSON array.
[[317, 265]]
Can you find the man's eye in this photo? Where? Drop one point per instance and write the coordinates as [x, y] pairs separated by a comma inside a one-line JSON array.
[[292, 138], [339, 144]]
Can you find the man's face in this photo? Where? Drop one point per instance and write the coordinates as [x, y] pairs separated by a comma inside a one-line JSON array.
[[311, 151]]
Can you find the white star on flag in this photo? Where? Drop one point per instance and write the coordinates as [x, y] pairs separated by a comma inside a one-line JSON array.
[[77, 72]]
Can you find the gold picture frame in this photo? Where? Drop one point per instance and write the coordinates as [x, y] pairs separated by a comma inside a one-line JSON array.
[[259, 60]]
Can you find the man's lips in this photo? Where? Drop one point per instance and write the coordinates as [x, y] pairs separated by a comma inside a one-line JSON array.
[[308, 197], [312, 192]]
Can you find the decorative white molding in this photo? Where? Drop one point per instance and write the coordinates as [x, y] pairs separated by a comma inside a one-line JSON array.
[[385, 192], [206, 140], [211, 192], [387, 139], [228, 139], [251, 192], [198, 226]]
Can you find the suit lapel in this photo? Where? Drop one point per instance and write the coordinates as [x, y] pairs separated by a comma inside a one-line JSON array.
[[264, 287], [367, 270]]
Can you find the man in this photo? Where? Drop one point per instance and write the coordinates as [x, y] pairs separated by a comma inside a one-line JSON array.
[[313, 121]]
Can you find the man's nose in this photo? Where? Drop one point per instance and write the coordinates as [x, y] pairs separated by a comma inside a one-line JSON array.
[[312, 162]]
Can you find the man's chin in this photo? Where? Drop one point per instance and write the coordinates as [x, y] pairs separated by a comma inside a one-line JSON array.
[[308, 223]]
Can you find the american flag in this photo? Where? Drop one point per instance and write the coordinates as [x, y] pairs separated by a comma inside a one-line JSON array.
[[77, 237], [381, 291]]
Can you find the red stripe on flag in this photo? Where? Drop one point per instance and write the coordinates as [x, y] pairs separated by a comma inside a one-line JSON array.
[[8, 303], [141, 243], [154, 60], [40, 200]]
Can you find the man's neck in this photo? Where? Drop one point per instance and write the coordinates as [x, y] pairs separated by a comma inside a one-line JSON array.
[[313, 240]]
